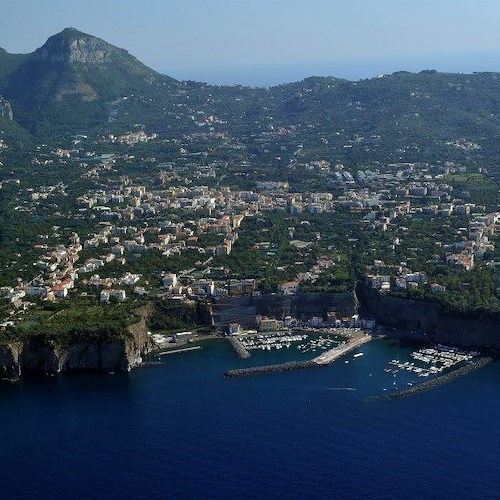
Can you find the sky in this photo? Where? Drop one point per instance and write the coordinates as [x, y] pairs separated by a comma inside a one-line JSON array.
[[265, 42]]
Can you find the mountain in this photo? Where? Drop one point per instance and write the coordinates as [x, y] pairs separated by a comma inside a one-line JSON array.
[[71, 79], [77, 82]]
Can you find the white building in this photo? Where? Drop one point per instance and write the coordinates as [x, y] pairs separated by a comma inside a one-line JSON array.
[[107, 295]]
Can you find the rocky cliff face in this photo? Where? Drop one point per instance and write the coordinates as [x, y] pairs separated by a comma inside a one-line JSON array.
[[34, 356], [303, 305], [5, 109], [77, 70], [413, 315], [74, 47]]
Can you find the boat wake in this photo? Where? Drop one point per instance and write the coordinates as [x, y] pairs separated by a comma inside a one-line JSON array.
[[340, 389]]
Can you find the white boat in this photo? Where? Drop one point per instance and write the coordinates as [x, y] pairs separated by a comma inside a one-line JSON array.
[[358, 355]]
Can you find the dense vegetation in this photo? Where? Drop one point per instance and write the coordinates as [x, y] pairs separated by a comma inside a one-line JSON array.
[[70, 323]]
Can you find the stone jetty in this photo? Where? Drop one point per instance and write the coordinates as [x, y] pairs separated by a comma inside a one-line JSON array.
[[283, 367], [239, 348]]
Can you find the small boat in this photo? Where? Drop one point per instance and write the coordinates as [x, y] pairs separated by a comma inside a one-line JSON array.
[[358, 354]]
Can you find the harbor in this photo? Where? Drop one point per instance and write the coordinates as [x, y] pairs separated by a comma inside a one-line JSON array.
[[303, 340], [344, 341], [291, 350]]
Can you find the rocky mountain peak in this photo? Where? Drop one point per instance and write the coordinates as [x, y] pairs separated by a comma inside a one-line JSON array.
[[73, 46]]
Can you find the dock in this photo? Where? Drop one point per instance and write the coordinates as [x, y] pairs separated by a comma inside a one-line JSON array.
[[184, 349], [333, 354]]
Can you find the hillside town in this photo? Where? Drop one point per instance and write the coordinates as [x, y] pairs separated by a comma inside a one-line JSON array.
[[184, 214]]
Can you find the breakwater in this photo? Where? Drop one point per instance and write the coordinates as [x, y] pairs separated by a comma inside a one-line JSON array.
[[239, 348], [283, 367], [443, 379], [177, 351]]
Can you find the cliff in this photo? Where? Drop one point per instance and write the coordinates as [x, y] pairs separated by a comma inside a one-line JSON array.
[[428, 317], [302, 305], [36, 356]]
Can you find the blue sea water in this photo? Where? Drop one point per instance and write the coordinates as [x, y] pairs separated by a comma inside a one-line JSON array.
[[182, 430]]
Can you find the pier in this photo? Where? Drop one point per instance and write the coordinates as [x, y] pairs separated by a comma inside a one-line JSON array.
[[239, 348], [333, 354], [184, 349], [443, 379]]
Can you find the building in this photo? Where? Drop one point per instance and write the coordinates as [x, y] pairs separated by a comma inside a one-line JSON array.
[[268, 324], [234, 328], [288, 288], [169, 280], [107, 295]]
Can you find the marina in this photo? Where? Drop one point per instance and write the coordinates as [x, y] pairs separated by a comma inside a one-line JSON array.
[[305, 340], [266, 342], [353, 338], [443, 379], [432, 360]]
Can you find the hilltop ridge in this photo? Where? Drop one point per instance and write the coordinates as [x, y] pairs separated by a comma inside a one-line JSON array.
[[76, 80]]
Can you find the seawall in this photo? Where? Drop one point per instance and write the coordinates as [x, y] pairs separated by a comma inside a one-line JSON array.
[[302, 305], [283, 367]]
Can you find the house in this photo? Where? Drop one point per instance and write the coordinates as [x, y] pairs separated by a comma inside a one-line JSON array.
[[169, 280], [380, 282], [238, 287], [288, 288], [268, 324], [60, 291], [107, 295], [316, 321], [38, 291], [289, 322], [118, 250], [234, 328]]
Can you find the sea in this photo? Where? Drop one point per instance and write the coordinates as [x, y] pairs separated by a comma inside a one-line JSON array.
[[183, 430]]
